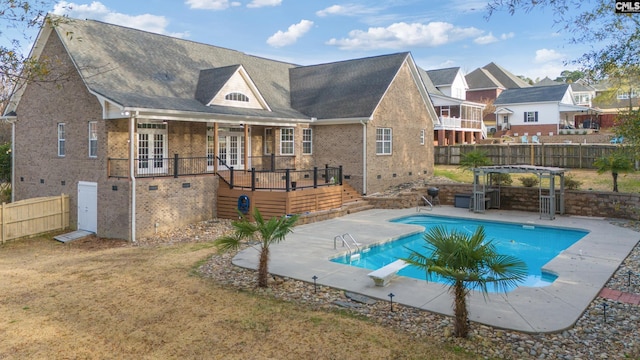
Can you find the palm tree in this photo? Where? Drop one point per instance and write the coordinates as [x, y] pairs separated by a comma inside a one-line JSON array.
[[616, 162], [264, 232], [466, 262], [474, 159]]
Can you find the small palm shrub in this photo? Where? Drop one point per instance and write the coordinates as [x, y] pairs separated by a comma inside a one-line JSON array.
[[570, 183], [529, 181]]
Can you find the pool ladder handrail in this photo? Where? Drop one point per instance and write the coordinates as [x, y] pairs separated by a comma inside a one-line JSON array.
[[427, 202], [344, 241]]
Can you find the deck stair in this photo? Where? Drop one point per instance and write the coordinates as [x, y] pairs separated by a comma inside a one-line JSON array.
[[352, 200], [350, 194]]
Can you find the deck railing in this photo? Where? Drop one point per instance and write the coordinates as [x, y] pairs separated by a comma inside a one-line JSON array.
[[285, 180], [266, 177]]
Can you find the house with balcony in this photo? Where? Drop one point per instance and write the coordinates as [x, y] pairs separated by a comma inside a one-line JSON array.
[[146, 132], [538, 110], [459, 121]]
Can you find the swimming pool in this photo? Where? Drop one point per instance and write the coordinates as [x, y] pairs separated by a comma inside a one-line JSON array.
[[533, 244]]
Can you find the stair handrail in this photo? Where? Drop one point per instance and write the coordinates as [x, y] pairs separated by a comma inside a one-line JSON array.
[[344, 243], [418, 208], [352, 240]]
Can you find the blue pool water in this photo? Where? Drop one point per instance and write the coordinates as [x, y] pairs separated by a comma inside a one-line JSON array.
[[535, 245]]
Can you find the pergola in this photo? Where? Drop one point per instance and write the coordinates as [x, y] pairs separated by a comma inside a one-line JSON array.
[[486, 188]]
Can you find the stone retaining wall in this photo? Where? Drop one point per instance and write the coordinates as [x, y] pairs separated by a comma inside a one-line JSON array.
[[581, 203]]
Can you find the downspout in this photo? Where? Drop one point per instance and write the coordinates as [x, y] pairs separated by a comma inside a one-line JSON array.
[[364, 155], [13, 160], [132, 177]]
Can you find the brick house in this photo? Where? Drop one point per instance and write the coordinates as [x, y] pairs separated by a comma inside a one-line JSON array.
[[130, 108]]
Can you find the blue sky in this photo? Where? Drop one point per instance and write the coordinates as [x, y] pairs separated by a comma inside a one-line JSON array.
[[439, 34]]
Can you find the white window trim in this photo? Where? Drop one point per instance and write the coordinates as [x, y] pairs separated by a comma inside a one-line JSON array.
[[156, 128], [62, 140], [422, 136], [93, 130], [291, 141], [383, 141], [308, 132]]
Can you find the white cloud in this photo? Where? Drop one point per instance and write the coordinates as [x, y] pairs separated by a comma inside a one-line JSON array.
[[486, 39], [490, 38], [211, 4], [293, 33], [98, 11], [401, 35], [345, 10], [263, 3], [546, 55], [507, 36]]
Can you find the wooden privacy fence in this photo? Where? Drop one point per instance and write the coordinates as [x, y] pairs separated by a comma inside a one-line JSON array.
[[34, 216], [573, 156]]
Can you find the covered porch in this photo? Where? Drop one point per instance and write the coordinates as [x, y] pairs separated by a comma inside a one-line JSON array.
[[459, 122]]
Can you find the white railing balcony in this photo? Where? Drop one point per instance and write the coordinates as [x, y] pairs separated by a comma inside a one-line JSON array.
[[453, 123]]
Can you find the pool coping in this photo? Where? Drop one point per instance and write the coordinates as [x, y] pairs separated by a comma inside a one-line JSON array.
[[583, 269]]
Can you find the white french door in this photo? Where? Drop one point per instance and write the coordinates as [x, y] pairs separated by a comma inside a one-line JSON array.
[[230, 147], [152, 148]]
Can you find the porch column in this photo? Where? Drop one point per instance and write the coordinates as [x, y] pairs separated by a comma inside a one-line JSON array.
[[441, 137], [246, 146], [215, 147], [452, 137]]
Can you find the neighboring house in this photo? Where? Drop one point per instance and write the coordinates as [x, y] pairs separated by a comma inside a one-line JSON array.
[[538, 110], [611, 99], [148, 130], [459, 121], [488, 82]]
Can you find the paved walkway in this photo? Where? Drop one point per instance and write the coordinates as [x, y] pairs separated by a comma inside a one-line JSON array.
[[583, 269], [617, 295]]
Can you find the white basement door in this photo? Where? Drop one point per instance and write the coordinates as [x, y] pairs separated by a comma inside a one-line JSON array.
[[88, 206]]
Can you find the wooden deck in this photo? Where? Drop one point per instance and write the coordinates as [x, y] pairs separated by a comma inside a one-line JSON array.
[[279, 202]]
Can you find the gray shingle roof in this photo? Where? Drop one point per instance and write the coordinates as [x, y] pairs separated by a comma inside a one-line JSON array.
[[532, 94], [345, 89], [211, 81], [139, 69], [442, 77], [493, 76], [431, 88]]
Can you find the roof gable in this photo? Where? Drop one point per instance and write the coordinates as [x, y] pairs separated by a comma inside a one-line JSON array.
[[229, 86]]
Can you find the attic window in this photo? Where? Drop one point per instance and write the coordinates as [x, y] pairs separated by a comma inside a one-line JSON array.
[[236, 96]]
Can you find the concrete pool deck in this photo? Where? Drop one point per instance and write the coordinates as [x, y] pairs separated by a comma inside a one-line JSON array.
[[583, 269]]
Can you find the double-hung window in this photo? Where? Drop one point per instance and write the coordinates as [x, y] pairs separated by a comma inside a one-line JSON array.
[[383, 141], [286, 141], [530, 116], [62, 138], [93, 139], [307, 141]]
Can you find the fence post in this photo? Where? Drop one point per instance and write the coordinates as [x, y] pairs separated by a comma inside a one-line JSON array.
[[253, 179], [340, 174], [231, 177], [175, 165], [326, 173], [315, 177], [287, 178], [4, 225]]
